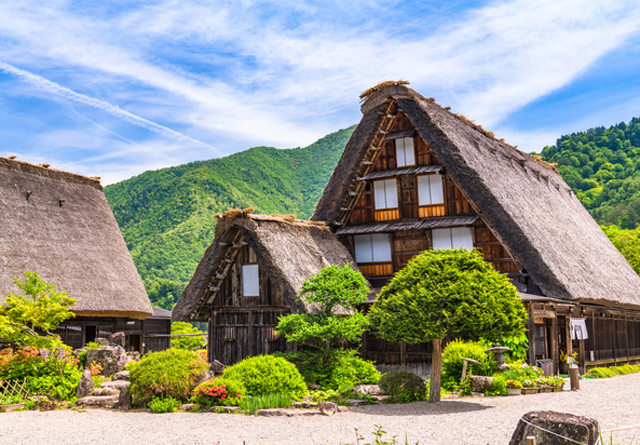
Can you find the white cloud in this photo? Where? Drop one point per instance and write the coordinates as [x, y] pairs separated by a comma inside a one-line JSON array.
[[258, 72]]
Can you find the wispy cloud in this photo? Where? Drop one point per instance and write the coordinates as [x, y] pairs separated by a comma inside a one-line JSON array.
[[251, 72]]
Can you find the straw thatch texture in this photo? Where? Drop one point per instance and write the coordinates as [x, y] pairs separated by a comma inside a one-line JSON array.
[[60, 225], [290, 251], [525, 201]]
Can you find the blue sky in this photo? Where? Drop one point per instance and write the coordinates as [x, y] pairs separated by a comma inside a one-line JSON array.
[[114, 88]]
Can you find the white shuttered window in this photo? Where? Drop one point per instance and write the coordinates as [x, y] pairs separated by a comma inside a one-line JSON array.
[[250, 280], [404, 152], [386, 194], [430, 190], [372, 248], [454, 238]]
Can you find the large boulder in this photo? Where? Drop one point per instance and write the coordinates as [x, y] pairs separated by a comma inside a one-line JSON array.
[[85, 386], [112, 358], [555, 428], [118, 339]]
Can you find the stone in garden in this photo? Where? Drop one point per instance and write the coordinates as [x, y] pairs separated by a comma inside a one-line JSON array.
[[356, 402], [271, 412], [577, 429], [480, 383], [498, 355], [105, 392], [314, 387], [187, 406], [116, 384], [217, 367], [124, 399], [327, 408], [302, 405], [207, 375], [105, 357], [122, 375], [342, 409], [102, 341], [85, 386], [118, 338], [373, 390], [99, 401]]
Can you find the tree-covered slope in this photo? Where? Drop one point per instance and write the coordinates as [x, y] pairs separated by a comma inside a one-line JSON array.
[[602, 166], [166, 216]]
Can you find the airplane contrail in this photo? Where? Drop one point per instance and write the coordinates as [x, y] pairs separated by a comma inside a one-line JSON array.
[[59, 90]]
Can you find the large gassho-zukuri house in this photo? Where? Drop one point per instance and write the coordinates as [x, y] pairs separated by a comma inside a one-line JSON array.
[[60, 225], [416, 176]]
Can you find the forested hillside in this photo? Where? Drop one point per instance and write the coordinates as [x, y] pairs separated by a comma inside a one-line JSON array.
[[166, 216], [602, 166]]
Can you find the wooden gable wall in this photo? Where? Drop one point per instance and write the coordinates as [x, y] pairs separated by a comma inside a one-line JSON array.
[[242, 326]]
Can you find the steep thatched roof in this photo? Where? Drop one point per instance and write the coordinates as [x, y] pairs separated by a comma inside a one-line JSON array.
[[289, 250], [525, 201], [60, 225]]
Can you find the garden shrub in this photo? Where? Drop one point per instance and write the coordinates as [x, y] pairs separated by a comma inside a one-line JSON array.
[[164, 405], [265, 374], [522, 372], [403, 386], [169, 373], [218, 392], [57, 376], [498, 386], [453, 357]]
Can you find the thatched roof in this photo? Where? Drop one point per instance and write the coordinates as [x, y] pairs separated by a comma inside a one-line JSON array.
[[524, 200], [60, 225], [289, 250]]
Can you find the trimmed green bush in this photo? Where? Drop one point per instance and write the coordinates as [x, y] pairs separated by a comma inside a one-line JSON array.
[[498, 386], [170, 373], [266, 374], [604, 373], [164, 405], [453, 357], [403, 386]]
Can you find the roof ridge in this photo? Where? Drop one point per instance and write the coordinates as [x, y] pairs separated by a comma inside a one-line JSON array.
[[45, 167]]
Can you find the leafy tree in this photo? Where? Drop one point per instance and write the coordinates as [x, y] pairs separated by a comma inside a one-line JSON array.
[[192, 343], [334, 295], [41, 307], [444, 293], [627, 242]]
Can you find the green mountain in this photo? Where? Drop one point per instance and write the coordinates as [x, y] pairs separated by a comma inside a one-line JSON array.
[[166, 216], [602, 166]]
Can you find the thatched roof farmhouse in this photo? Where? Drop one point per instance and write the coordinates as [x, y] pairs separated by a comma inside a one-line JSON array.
[[415, 176], [60, 225]]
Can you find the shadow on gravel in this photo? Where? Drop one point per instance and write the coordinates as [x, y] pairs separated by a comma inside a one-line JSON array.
[[421, 408]]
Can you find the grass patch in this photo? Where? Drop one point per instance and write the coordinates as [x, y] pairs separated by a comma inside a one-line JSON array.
[[265, 401], [605, 373]]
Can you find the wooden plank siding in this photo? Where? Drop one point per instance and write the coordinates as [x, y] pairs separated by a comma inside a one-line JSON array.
[[241, 326]]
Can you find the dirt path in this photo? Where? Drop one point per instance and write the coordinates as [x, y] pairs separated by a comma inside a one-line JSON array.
[[614, 402]]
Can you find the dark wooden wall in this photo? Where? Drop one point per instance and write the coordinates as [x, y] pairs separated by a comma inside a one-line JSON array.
[[244, 326]]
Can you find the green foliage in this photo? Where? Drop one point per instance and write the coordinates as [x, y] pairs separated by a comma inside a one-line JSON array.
[[166, 216], [498, 386], [266, 374], [605, 373], [218, 392], [40, 307], [403, 386], [379, 438], [57, 376], [11, 400], [601, 166], [522, 372], [453, 357], [443, 292], [169, 373], [627, 242], [163, 293], [159, 405], [265, 401], [191, 343]]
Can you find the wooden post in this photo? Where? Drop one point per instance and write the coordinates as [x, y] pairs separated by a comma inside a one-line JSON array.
[[555, 355], [532, 336], [569, 341], [403, 354], [531, 440], [251, 334]]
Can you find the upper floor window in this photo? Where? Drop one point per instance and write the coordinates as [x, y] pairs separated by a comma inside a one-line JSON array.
[[250, 280], [372, 248], [453, 238], [404, 152], [430, 190], [386, 194]]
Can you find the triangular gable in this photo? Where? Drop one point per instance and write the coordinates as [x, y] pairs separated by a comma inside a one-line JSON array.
[[525, 201]]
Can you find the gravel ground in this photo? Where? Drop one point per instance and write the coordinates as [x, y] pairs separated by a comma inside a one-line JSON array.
[[478, 421]]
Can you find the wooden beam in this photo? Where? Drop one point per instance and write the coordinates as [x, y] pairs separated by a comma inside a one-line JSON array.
[[555, 355]]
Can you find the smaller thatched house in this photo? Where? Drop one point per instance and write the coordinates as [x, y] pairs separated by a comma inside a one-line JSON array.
[[250, 276], [60, 225]]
